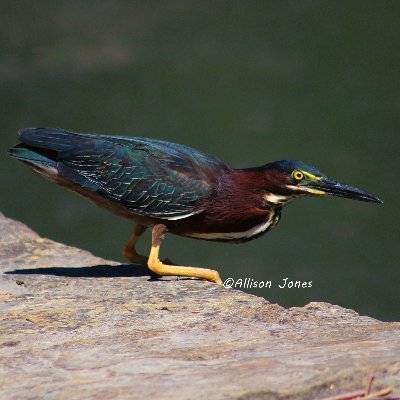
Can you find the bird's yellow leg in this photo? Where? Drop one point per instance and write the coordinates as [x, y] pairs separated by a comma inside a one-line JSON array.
[[129, 251], [159, 268]]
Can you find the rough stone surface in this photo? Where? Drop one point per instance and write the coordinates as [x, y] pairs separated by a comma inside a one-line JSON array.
[[74, 326]]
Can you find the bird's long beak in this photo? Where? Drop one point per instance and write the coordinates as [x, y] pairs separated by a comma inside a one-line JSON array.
[[333, 188]]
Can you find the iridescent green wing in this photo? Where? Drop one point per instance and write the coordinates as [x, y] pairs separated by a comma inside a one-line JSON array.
[[149, 177]]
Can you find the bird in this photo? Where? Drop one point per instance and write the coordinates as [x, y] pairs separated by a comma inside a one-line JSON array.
[[172, 188]]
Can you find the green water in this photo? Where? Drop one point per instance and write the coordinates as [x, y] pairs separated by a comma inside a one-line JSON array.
[[249, 82]]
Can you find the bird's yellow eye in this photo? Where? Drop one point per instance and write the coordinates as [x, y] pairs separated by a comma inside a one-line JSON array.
[[298, 175]]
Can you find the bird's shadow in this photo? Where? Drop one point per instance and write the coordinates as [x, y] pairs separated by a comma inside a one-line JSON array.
[[93, 271]]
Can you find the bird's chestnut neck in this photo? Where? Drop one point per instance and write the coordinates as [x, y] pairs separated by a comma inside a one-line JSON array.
[[261, 179]]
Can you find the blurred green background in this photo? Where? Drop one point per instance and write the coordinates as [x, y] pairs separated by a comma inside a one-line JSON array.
[[249, 82]]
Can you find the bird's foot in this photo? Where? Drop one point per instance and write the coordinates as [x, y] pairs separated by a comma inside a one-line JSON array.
[[134, 257], [161, 268]]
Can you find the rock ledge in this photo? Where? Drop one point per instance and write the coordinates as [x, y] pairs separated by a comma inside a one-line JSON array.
[[75, 326]]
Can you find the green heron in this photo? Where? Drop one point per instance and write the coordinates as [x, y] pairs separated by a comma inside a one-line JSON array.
[[173, 188]]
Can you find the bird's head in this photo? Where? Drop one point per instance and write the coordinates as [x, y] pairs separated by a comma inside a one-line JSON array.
[[290, 179]]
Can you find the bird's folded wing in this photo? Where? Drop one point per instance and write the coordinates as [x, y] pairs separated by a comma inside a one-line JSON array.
[[149, 177]]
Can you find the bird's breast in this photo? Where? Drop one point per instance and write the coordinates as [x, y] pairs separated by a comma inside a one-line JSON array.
[[237, 211], [240, 230]]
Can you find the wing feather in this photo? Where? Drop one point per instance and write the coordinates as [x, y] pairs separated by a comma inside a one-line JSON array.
[[149, 177]]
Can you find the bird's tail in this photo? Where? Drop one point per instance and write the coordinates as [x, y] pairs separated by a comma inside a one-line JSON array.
[[36, 161], [51, 139], [39, 148], [22, 153]]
